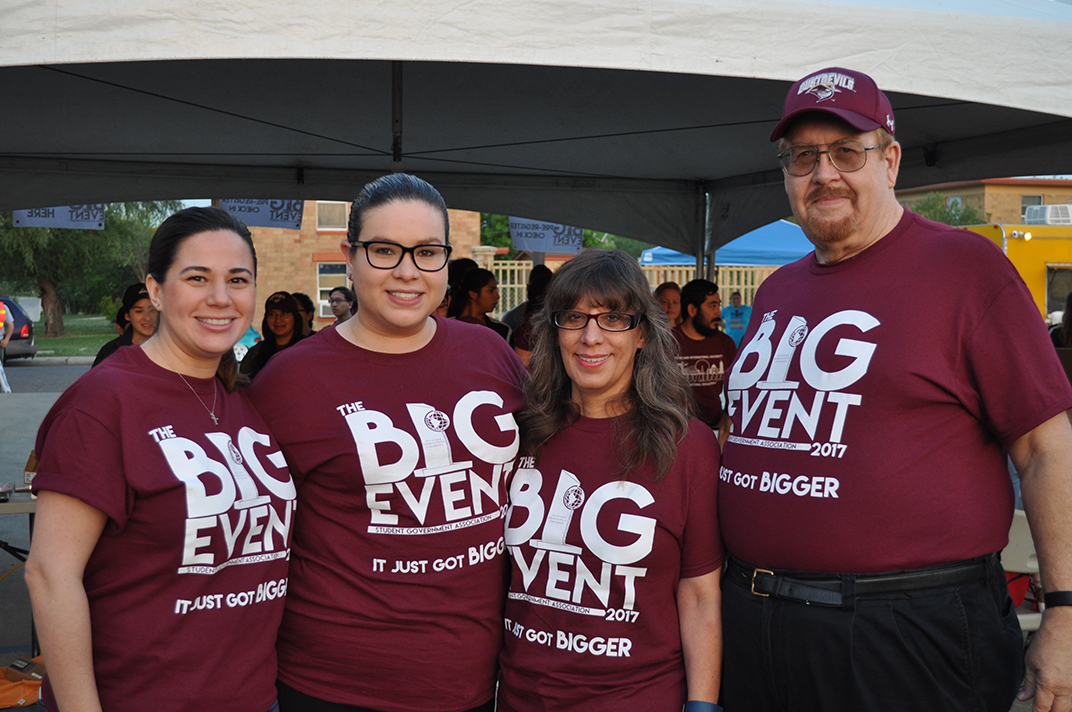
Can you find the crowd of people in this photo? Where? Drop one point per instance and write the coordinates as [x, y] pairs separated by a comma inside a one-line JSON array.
[[618, 499]]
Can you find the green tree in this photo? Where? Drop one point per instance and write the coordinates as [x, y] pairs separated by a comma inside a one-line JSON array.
[[936, 207], [76, 268]]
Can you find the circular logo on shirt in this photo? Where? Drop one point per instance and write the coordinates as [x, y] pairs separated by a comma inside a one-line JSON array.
[[235, 454], [437, 420], [573, 497], [798, 336]]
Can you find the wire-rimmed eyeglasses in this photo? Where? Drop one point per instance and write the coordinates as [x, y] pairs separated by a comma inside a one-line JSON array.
[[846, 156], [607, 321], [388, 255]]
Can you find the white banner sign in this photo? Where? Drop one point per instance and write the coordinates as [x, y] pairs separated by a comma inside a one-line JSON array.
[[552, 238], [286, 214], [79, 217]]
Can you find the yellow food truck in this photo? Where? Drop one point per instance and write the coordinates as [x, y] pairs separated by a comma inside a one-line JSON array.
[[1042, 254]]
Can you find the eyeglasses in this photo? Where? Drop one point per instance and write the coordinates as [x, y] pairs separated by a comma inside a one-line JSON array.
[[388, 255], [607, 321], [846, 156], [338, 300]]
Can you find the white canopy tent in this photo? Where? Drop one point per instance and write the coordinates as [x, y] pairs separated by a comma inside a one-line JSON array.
[[622, 117]]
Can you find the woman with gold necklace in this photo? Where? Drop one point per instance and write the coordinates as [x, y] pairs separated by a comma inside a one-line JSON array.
[[159, 560]]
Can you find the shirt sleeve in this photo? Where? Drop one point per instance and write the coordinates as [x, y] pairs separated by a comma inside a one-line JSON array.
[[1013, 367], [701, 547], [82, 458]]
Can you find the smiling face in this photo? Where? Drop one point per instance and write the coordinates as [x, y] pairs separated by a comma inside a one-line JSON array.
[[843, 213], [282, 325], [396, 303], [206, 301], [142, 320], [599, 363]]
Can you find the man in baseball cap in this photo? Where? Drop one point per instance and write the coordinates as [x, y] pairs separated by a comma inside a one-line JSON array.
[[864, 492]]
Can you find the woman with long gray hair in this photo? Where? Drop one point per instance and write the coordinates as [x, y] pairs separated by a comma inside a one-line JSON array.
[[613, 520]]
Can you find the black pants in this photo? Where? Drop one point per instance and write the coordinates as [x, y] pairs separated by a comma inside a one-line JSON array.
[[291, 700], [951, 649]]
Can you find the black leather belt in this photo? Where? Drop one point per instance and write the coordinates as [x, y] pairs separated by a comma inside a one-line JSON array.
[[827, 589]]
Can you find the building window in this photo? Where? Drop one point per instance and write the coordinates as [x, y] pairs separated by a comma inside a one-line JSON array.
[[328, 276], [331, 216], [954, 201], [1028, 200]]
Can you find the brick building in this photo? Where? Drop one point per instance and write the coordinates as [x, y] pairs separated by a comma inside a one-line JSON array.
[[310, 261], [998, 200]]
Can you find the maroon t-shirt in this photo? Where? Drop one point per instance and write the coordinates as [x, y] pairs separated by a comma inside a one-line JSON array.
[[705, 364], [591, 620], [872, 400], [397, 583], [186, 583]]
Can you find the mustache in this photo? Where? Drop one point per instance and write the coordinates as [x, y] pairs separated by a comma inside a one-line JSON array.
[[827, 191]]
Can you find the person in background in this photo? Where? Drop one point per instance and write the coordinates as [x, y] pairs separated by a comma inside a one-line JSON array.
[[864, 493], [402, 446], [444, 306], [514, 317], [477, 296], [7, 328], [341, 301], [456, 269], [141, 320], [281, 327], [307, 310], [736, 318], [704, 352], [612, 525], [164, 505], [521, 338], [1061, 334], [121, 320], [668, 294]]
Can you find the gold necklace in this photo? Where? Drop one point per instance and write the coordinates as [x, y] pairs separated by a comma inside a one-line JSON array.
[[211, 411]]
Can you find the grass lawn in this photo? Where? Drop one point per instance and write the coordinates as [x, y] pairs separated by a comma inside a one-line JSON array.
[[86, 333]]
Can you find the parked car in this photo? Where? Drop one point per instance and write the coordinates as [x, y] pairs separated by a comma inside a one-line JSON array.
[[246, 343], [22, 339]]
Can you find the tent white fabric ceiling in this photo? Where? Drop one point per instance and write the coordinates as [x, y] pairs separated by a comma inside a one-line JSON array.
[[619, 116]]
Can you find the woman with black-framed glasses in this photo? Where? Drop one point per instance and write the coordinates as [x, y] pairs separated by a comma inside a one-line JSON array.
[[401, 446], [613, 520]]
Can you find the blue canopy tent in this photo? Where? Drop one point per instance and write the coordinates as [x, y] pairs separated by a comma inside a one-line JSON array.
[[664, 256], [778, 243]]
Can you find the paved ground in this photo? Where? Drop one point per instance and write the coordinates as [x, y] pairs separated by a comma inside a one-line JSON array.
[[36, 383]]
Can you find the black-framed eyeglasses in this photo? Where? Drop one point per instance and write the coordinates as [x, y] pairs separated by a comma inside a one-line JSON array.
[[388, 255], [607, 321], [846, 156]]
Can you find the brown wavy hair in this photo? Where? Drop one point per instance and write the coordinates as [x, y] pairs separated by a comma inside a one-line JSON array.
[[658, 402]]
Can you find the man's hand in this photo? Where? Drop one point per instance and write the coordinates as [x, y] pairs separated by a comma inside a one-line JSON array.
[[1048, 674]]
